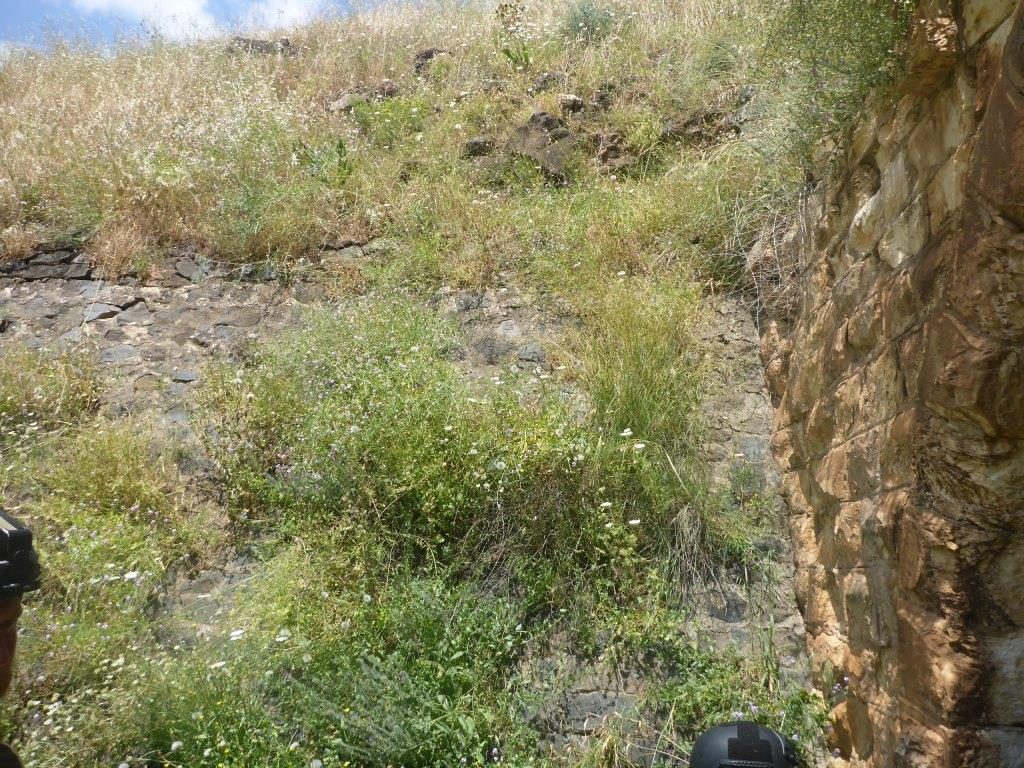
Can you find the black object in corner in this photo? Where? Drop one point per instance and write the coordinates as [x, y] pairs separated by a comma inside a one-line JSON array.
[[19, 564], [742, 745]]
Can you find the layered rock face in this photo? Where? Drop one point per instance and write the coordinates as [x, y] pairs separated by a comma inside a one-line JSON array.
[[899, 383]]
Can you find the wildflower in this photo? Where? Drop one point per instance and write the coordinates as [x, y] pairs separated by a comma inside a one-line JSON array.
[[639, 446], [606, 505], [627, 432], [218, 664], [367, 599], [176, 746]]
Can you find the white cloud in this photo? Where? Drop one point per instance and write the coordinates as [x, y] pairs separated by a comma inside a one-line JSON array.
[[177, 19], [271, 14]]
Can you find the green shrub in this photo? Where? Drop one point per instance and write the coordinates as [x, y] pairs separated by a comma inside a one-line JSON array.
[[588, 22], [828, 56], [361, 419]]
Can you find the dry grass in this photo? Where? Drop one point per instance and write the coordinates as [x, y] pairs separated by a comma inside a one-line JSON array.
[[170, 143]]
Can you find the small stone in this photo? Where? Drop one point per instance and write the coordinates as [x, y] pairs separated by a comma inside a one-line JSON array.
[[347, 102], [423, 58], [185, 376], [100, 311], [570, 103], [478, 146]]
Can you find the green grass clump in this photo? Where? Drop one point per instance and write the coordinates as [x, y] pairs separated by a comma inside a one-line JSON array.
[[111, 522], [641, 363], [41, 392]]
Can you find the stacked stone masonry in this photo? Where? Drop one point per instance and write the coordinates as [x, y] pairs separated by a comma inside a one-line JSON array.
[[898, 381]]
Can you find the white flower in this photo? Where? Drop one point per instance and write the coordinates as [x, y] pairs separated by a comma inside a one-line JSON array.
[[606, 505], [131, 576], [218, 664], [639, 446], [627, 432], [282, 635], [236, 634], [635, 521], [367, 599], [176, 746], [609, 525]]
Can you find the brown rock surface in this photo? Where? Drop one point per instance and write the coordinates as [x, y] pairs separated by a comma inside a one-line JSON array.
[[898, 376]]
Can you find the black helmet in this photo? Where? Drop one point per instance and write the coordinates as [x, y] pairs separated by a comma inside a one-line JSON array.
[[742, 745]]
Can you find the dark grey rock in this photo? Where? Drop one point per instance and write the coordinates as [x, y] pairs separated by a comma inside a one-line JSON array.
[[137, 314], [120, 353], [544, 138], [185, 376], [531, 353], [545, 81], [78, 271], [424, 57], [478, 146], [51, 259], [101, 312]]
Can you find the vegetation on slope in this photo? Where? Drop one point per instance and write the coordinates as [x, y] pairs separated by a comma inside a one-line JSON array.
[[416, 534]]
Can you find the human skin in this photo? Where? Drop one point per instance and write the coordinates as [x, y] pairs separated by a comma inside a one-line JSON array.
[[10, 610]]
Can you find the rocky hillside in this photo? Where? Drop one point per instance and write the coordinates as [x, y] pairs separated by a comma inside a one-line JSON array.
[[390, 395]]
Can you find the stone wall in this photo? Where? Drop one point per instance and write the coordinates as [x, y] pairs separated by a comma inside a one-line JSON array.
[[898, 380]]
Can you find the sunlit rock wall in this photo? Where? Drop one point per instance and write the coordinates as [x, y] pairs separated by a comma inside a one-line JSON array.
[[899, 386]]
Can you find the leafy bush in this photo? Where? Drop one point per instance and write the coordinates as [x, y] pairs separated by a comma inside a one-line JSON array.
[[829, 55]]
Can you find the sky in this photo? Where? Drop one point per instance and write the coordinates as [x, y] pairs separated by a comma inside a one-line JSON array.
[[32, 22]]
